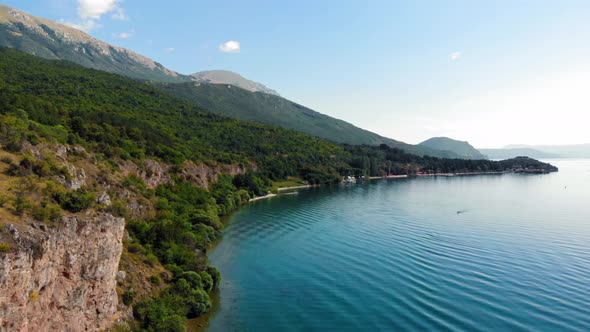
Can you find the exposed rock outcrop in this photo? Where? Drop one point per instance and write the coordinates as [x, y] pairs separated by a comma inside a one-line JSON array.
[[61, 278], [202, 175], [153, 173]]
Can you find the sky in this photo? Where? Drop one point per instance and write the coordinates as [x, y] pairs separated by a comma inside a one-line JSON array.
[[489, 72]]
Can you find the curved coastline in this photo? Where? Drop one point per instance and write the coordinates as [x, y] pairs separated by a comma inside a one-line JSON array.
[[201, 323]]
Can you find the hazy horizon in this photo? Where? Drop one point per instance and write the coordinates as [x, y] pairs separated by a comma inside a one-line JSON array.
[[490, 74]]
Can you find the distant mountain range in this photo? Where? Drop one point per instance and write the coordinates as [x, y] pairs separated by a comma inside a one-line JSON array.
[[563, 151], [245, 99], [51, 40], [516, 152], [462, 149]]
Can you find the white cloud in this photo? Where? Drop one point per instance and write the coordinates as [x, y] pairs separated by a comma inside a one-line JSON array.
[[169, 50], [230, 46], [94, 9], [124, 35], [455, 56], [90, 11]]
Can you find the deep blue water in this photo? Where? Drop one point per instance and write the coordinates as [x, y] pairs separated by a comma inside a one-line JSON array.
[[395, 255]]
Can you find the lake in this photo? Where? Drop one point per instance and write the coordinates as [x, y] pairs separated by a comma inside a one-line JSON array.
[[474, 253]]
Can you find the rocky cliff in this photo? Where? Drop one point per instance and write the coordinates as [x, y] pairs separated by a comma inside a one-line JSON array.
[[61, 278]]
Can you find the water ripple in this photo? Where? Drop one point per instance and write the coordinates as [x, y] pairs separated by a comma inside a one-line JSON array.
[[395, 256]]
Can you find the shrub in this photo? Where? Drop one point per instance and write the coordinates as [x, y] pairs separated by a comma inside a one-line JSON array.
[[3, 200], [151, 259], [155, 280], [4, 247], [135, 248], [215, 275], [134, 182], [162, 314], [75, 201], [128, 297], [21, 204], [207, 281], [193, 278], [6, 160], [40, 213], [47, 212], [118, 208]]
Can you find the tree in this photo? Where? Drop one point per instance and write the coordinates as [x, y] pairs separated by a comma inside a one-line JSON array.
[[21, 191]]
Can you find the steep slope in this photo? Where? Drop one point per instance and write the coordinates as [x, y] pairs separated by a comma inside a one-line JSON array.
[[228, 77], [515, 152], [77, 164], [461, 148], [564, 151], [61, 278], [51, 40], [265, 108]]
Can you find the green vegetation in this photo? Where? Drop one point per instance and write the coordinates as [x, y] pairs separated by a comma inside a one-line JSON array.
[[383, 160], [271, 109], [463, 149], [117, 120], [4, 247], [289, 182], [44, 100]]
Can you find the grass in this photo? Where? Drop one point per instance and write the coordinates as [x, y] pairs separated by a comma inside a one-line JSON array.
[[6, 214], [139, 271], [290, 182], [4, 247]]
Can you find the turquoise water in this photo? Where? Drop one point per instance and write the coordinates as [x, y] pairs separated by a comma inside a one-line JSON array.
[[396, 255]]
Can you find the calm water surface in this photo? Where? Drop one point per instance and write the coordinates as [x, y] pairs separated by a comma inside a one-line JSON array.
[[396, 256]]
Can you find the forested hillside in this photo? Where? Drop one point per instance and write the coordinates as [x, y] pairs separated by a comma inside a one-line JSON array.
[[271, 109], [77, 142], [462, 149]]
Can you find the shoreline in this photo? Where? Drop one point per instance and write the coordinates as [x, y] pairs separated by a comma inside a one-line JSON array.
[[400, 176], [201, 323], [298, 187], [262, 197], [282, 189], [461, 174]]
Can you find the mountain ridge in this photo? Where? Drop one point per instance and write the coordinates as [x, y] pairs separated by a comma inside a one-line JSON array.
[[275, 110], [564, 151], [55, 41], [221, 76], [461, 148], [505, 153]]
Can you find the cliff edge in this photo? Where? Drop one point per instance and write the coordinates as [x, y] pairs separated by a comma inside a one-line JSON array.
[[61, 278]]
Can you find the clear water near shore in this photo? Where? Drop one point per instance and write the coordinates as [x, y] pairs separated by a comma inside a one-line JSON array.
[[397, 255]]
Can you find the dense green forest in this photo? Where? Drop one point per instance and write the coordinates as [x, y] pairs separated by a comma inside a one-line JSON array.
[[118, 119], [271, 109]]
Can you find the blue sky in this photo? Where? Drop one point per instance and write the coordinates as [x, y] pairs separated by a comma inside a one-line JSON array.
[[490, 72]]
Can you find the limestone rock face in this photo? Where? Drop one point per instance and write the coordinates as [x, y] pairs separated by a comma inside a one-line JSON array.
[[202, 175], [152, 172], [61, 278]]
